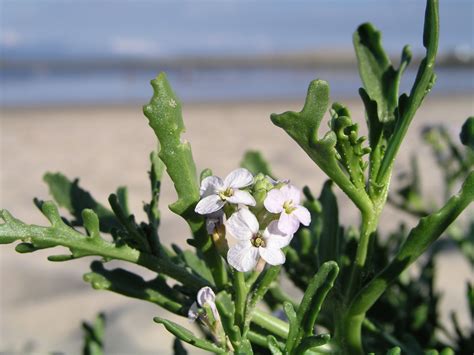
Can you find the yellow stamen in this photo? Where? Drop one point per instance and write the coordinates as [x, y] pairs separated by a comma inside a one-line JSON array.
[[224, 195], [288, 206]]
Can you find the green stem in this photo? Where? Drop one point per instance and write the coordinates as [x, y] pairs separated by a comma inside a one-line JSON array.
[[368, 227], [348, 335], [259, 290], [270, 323], [240, 298]]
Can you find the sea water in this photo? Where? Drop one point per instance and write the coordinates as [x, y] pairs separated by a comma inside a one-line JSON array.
[[50, 50]]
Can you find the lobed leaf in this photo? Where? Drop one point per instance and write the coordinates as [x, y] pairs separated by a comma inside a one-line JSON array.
[[80, 245], [164, 115], [303, 127]]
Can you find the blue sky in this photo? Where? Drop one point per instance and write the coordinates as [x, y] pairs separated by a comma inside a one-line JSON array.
[[91, 29]]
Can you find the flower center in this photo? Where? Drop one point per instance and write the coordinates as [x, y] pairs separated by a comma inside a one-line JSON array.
[[258, 241], [224, 195], [288, 206]]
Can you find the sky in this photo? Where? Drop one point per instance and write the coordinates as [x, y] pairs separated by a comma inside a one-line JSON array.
[[83, 29]]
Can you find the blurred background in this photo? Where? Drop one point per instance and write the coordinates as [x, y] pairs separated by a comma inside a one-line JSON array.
[[73, 77], [60, 52]]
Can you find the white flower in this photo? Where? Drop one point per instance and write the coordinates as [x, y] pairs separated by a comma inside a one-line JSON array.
[[204, 297], [215, 192], [276, 182], [286, 201], [214, 221], [252, 244]]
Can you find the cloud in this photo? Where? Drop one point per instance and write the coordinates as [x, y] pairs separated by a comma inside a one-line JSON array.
[[134, 46], [10, 38]]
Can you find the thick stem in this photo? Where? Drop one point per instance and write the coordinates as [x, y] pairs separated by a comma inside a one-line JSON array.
[[367, 228], [348, 335], [348, 332]]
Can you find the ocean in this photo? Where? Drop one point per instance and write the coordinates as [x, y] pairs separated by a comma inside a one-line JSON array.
[[93, 52]]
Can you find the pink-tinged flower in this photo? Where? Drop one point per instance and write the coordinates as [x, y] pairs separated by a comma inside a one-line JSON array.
[[253, 244], [215, 193], [286, 202], [204, 297]]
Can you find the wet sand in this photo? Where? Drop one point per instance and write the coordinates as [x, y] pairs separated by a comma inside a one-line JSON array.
[[43, 303]]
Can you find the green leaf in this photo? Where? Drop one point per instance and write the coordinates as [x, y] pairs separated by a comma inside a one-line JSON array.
[[197, 265], [188, 337], [313, 298], [226, 309], [69, 195], [94, 336], [303, 127], [256, 163], [329, 240], [122, 197], [381, 80], [164, 115], [135, 236], [131, 285], [424, 81], [294, 325], [155, 175], [273, 345], [467, 132]]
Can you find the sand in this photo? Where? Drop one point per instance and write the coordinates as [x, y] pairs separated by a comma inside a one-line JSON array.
[[43, 303]]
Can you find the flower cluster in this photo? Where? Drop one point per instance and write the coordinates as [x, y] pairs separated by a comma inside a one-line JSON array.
[[261, 214]]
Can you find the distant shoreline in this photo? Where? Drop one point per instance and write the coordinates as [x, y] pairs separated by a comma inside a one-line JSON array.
[[303, 60]]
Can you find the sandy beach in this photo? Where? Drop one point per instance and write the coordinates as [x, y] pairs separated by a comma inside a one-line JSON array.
[[43, 303]]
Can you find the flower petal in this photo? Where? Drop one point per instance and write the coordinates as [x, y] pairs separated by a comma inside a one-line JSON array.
[[275, 238], [291, 193], [209, 204], [303, 215], [214, 220], [272, 256], [193, 312], [238, 178], [242, 225], [274, 201], [242, 197], [243, 256], [210, 185], [276, 182], [206, 295], [288, 223]]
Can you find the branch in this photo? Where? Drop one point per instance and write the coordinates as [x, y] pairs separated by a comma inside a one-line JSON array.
[[80, 245]]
